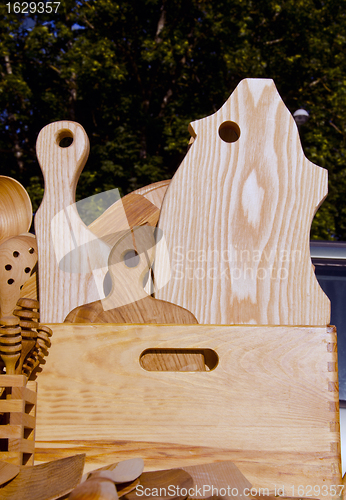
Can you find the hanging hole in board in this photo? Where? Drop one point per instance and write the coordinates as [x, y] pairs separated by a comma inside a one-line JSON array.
[[165, 359], [27, 270], [131, 258], [64, 138], [31, 250], [8, 267], [229, 131], [16, 254], [10, 281]]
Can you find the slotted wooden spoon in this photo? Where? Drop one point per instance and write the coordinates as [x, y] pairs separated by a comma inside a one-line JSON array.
[[18, 258]]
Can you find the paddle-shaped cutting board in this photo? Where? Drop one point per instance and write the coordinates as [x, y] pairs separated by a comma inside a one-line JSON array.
[[59, 229], [236, 218]]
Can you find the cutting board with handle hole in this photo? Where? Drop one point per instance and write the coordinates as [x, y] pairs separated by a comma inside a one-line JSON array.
[[73, 257], [129, 262], [236, 218]]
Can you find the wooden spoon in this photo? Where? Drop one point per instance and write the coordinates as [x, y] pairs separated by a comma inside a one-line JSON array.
[[15, 208], [171, 484], [18, 258], [122, 472], [218, 476], [98, 488]]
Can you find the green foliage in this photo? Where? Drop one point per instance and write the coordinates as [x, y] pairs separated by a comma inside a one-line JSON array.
[[135, 73]]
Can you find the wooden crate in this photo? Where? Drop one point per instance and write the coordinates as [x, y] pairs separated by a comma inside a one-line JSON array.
[[270, 405], [17, 419]]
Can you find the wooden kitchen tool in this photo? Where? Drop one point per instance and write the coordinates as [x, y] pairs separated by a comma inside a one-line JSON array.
[[10, 342], [221, 479], [48, 481], [98, 483], [164, 485], [98, 488], [129, 303], [130, 211], [18, 258], [15, 208], [121, 472], [59, 229], [29, 317], [236, 218]]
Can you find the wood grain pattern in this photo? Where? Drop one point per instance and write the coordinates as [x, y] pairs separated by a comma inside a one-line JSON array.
[[8, 472], [18, 258], [236, 218], [128, 302], [15, 208], [267, 406], [73, 261], [154, 192], [130, 211], [210, 479], [48, 481]]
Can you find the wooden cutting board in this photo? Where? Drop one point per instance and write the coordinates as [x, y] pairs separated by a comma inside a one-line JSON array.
[[128, 301], [59, 230], [73, 257], [236, 218], [154, 192]]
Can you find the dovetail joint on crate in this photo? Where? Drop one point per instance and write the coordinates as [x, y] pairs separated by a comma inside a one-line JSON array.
[[18, 399]]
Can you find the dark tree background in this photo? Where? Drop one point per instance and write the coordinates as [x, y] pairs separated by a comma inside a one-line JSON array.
[[135, 73]]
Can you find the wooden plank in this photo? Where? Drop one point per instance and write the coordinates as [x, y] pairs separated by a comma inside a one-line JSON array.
[[267, 406], [236, 218]]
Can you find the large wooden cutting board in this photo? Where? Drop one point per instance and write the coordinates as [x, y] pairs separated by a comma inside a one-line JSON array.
[[236, 218]]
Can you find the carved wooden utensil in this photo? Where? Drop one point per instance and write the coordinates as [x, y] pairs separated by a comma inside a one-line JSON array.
[[48, 481], [129, 261], [128, 302], [10, 342], [220, 476], [179, 481], [239, 210], [121, 472], [98, 488], [15, 208], [18, 258]]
